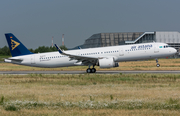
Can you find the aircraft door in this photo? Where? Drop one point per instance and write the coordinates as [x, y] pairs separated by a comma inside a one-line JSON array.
[[156, 48], [78, 53], [121, 52], [32, 59]]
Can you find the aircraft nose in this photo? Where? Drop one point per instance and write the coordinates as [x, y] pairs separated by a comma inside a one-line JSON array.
[[174, 50]]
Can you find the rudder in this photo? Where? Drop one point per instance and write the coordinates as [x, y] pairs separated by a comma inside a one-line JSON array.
[[15, 46]]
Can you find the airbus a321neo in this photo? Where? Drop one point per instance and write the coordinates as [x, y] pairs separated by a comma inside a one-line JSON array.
[[104, 57]]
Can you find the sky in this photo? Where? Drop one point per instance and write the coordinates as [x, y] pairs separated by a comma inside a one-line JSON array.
[[34, 22]]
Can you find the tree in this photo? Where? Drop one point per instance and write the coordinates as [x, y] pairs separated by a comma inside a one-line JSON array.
[[53, 48], [5, 51], [42, 49], [63, 47], [31, 50]]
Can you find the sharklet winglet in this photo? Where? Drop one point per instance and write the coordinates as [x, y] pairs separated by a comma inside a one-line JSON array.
[[60, 51]]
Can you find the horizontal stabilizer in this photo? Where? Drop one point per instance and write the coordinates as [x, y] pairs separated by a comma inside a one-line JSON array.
[[13, 59]]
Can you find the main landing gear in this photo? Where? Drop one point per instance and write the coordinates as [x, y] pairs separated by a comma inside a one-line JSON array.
[[91, 70], [158, 65]]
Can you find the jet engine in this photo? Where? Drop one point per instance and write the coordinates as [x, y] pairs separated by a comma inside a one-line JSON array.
[[108, 63]]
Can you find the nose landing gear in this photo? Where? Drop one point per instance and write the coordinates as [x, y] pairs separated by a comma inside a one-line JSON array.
[[158, 65]]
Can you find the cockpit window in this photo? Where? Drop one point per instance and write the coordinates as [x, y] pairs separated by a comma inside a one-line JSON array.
[[166, 46]]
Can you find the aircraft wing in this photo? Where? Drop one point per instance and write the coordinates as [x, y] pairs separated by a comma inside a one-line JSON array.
[[86, 60]]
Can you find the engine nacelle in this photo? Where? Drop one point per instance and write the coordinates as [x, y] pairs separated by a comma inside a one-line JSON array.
[[108, 63]]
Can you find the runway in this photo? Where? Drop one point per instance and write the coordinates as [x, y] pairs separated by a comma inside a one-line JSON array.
[[83, 72]]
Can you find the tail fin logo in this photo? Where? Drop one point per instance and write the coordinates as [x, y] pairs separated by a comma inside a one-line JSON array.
[[14, 44]]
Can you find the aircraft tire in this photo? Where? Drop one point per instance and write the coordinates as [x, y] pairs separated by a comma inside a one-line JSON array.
[[158, 65], [89, 70], [93, 70]]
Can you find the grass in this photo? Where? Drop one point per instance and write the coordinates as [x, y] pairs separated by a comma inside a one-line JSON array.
[[95, 94], [2, 57], [166, 64], [91, 94]]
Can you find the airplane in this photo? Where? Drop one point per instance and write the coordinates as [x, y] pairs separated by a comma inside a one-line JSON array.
[[104, 57]]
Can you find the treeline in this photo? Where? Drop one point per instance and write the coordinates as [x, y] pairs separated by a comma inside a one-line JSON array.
[[5, 51], [41, 49]]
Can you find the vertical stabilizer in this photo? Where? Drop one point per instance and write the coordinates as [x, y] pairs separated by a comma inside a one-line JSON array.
[[15, 46]]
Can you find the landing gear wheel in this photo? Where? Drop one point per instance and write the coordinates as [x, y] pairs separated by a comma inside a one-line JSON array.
[[93, 70], [158, 65], [89, 70]]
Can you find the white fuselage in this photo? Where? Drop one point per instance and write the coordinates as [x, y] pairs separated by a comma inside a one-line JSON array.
[[119, 54]]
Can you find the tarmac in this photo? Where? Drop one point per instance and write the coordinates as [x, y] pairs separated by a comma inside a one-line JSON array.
[[84, 72]]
